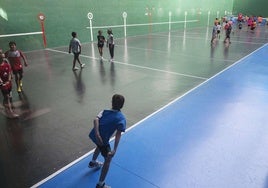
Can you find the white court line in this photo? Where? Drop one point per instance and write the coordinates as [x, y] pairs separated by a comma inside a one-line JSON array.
[[21, 34], [138, 66], [62, 169], [182, 54], [177, 99], [232, 39], [138, 123], [145, 24]]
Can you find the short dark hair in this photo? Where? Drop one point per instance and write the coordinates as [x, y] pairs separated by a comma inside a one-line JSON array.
[[12, 42], [74, 34], [109, 31], [118, 101]]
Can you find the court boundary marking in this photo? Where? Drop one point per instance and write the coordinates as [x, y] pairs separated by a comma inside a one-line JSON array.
[[134, 36], [137, 66], [242, 42], [149, 116], [182, 54], [21, 34], [191, 90], [142, 24]]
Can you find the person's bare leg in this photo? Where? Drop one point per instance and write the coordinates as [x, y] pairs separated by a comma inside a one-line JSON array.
[[105, 168], [74, 60], [8, 106], [95, 154]]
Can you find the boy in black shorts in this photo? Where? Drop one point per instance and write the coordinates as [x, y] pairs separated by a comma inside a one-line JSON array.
[[106, 124], [228, 33], [101, 41]]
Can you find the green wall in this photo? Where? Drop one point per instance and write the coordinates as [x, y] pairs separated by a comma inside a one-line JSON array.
[[65, 16], [250, 7]]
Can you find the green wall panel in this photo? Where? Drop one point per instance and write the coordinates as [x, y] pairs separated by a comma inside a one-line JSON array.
[[250, 7], [65, 16]]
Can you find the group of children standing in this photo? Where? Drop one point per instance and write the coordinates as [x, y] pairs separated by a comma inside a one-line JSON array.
[[109, 43], [228, 25], [217, 30], [11, 63], [75, 47]]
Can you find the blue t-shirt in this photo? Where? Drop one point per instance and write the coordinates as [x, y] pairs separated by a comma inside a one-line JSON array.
[[109, 122]]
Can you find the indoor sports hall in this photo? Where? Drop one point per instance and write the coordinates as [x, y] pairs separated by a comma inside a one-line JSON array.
[[196, 110]]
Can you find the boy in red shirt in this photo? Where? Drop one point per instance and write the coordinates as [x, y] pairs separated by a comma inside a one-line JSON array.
[[14, 56], [6, 85], [228, 31]]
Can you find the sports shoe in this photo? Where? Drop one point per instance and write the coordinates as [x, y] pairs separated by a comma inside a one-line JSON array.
[[82, 65], [10, 114], [95, 164], [19, 89], [14, 115], [103, 186], [75, 68]]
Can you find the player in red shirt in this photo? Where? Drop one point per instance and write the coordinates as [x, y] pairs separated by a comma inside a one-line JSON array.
[[14, 56], [240, 17], [6, 85]]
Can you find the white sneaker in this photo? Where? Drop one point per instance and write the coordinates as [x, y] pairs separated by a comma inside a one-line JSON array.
[[103, 186], [95, 164], [82, 65], [75, 68], [111, 60]]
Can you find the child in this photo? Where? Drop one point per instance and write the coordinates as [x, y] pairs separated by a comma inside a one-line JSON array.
[[240, 17], [14, 56], [240, 25], [6, 85], [228, 33], [216, 21], [214, 32], [110, 44], [224, 19], [101, 40], [75, 47], [240, 20], [259, 20], [253, 26], [249, 22], [219, 30], [105, 124]]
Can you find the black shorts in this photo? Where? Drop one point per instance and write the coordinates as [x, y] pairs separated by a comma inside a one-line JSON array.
[[76, 55], [100, 45], [105, 150], [6, 92], [20, 71]]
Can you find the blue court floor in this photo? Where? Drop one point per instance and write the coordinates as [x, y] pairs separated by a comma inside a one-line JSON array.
[[214, 136]]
